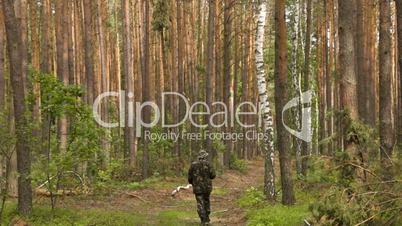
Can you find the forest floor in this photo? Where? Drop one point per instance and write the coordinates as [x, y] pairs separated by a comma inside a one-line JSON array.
[[153, 204], [158, 207]]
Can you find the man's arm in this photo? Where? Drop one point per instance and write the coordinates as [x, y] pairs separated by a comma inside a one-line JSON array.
[[212, 173], [190, 175]]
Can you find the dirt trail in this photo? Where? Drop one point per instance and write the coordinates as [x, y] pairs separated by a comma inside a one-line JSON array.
[[153, 201]]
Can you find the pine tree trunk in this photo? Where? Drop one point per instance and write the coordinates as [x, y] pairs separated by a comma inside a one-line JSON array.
[[46, 48], [128, 80], [385, 59], [2, 61], [180, 69], [17, 72], [399, 30], [89, 51], [347, 59], [328, 80], [146, 86], [227, 54], [281, 97], [210, 69], [62, 14]]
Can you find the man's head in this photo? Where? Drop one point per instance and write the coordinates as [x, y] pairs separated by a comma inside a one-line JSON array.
[[202, 155]]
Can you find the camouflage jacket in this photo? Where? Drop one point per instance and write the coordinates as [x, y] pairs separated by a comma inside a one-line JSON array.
[[200, 175]]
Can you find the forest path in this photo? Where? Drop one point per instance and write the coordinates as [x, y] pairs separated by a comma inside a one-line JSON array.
[[155, 206]]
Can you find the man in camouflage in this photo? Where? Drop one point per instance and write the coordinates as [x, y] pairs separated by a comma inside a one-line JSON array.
[[200, 175]]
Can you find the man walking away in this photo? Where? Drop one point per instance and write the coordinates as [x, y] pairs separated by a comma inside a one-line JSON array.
[[200, 175]]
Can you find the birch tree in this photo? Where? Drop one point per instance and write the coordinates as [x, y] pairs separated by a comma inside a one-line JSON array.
[[269, 175], [296, 81]]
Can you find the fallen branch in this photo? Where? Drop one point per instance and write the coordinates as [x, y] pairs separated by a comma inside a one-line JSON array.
[[45, 192], [135, 196], [177, 190]]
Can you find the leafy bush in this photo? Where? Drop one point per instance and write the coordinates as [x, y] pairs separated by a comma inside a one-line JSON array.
[[251, 198], [238, 164], [353, 201], [319, 171], [278, 215]]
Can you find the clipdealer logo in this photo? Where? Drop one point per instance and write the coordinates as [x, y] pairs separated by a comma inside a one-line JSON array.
[[230, 117]]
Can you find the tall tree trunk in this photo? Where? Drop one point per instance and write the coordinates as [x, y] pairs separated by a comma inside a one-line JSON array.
[[306, 84], [89, 50], [269, 173], [35, 59], [227, 53], [296, 82], [245, 75], [365, 79], [348, 72], [210, 69], [180, 69], [328, 76], [46, 49], [321, 77], [128, 80], [46, 64], [385, 59], [2, 61], [146, 86], [399, 30], [17, 72], [21, 10], [281, 97], [62, 14]]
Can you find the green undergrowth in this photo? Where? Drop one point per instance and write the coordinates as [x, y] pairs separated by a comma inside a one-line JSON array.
[[152, 183], [43, 216], [263, 213], [220, 191], [173, 218]]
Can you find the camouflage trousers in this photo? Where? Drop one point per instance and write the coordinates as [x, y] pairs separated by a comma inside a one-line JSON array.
[[203, 207]]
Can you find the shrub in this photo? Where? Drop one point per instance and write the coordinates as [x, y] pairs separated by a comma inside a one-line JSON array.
[[251, 198], [238, 164]]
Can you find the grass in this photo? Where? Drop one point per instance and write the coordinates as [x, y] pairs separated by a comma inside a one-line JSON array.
[[219, 191], [179, 218], [262, 213], [152, 182], [43, 216]]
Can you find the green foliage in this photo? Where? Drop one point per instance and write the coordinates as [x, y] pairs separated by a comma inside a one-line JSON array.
[[160, 15], [57, 101], [352, 200], [7, 138], [219, 191], [262, 213], [320, 172], [174, 217], [278, 215], [218, 145], [163, 161], [44, 216], [251, 198], [238, 164]]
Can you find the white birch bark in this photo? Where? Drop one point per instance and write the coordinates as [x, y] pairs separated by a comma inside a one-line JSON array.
[[296, 82], [269, 177]]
